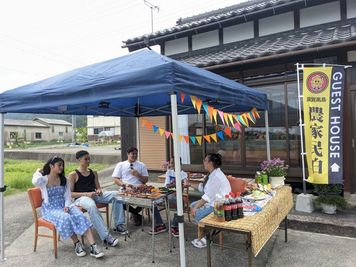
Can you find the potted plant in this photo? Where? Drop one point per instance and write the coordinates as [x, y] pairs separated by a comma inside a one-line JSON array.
[[276, 171], [329, 197]]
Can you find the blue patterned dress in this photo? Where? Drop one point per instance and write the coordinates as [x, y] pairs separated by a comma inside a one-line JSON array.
[[66, 223]]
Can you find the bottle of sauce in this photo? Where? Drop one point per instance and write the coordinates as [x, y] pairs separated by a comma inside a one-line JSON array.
[[227, 208]]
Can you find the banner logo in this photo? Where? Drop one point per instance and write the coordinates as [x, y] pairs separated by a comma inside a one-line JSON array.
[[317, 82]]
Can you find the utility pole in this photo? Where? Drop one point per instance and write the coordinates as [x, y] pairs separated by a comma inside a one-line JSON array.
[[74, 126], [152, 7]]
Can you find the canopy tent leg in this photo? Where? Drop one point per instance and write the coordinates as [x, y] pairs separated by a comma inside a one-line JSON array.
[[2, 188], [268, 145], [177, 168], [138, 137]]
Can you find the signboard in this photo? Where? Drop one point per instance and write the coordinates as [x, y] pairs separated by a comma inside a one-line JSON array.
[[323, 118]]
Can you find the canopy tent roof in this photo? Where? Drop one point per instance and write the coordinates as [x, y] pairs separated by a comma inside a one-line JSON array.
[[138, 84]]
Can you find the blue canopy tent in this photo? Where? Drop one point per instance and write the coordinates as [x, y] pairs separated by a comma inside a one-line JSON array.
[[139, 84]]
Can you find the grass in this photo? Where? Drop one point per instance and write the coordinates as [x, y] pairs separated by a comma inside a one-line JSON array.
[[18, 173]]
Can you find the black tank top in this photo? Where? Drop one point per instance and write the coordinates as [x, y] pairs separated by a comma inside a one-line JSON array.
[[85, 183]]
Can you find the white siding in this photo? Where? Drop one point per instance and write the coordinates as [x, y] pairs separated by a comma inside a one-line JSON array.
[[176, 46], [206, 39], [320, 14], [278, 23], [238, 32], [351, 8]]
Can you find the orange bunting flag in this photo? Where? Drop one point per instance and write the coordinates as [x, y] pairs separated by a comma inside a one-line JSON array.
[[199, 103], [186, 138], [221, 114], [255, 112], [231, 119], [180, 137], [161, 131], [149, 125], [210, 110], [227, 131], [226, 118], [215, 115], [167, 134], [193, 99], [199, 139], [213, 136], [207, 138], [182, 96], [143, 122]]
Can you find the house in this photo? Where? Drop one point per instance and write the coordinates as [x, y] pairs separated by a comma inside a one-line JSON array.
[[39, 129], [98, 124], [258, 43]]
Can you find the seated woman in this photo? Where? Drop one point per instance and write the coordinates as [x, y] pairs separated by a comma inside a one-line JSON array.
[[57, 209], [169, 183], [214, 183]]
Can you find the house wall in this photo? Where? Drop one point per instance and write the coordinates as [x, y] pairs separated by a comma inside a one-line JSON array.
[[176, 46], [320, 14], [96, 124], [152, 148], [60, 132], [238, 32], [27, 133], [278, 23]]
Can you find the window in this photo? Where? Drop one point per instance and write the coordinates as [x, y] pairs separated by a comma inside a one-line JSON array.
[[38, 135], [52, 128], [98, 130], [13, 135], [66, 129], [60, 134]]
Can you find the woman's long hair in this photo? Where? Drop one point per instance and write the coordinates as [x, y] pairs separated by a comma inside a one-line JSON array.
[[47, 169], [216, 159]]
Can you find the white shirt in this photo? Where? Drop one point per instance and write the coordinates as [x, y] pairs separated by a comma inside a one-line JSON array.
[[217, 184], [171, 176], [123, 171], [41, 181]]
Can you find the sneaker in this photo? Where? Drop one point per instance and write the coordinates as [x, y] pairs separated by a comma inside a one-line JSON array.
[[79, 250], [120, 229], [175, 231], [95, 252], [137, 219], [112, 242], [158, 229]]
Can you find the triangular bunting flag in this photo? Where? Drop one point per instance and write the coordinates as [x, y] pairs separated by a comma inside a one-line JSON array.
[[149, 125], [143, 122], [199, 139], [199, 103], [205, 106], [221, 114], [235, 117], [180, 137], [207, 138], [192, 137], [193, 99], [210, 110], [186, 138], [226, 118], [220, 134], [182, 96], [161, 131], [251, 117], [167, 134], [245, 119], [227, 131], [213, 136], [155, 128], [231, 119], [215, 115], [240, 119], [255, 112], [237, 126]]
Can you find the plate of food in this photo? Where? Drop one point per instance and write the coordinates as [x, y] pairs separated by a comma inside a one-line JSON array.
[[256, 195]]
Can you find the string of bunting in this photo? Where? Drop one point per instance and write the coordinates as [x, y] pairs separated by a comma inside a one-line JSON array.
[[228, 119]]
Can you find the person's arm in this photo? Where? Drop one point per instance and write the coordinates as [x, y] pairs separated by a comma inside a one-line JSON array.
[[141, 177], [73, 178], [118, 181], [117, 175], [98, 190], [199, 204], [38, 179], [67, 196]]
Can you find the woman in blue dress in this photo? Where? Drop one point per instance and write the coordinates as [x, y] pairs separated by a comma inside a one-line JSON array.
[[57, 208]]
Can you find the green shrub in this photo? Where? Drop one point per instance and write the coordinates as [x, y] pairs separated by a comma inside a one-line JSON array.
[[339, 201]]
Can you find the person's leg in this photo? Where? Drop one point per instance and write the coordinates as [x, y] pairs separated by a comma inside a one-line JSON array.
[[117, 206], [158, 218], [95, 216], [203, 212], [94, 250]]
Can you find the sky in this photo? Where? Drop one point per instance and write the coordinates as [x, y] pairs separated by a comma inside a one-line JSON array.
[[42, 38]]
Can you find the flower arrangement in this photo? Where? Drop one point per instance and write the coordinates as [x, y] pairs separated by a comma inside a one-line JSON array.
[[274, 167]]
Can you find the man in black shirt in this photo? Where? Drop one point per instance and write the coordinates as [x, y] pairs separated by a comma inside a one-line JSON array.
[[86, 190]]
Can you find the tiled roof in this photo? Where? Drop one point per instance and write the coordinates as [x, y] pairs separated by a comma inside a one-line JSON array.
[[53, 121], [214, 16], [24, 123], [275, 44]]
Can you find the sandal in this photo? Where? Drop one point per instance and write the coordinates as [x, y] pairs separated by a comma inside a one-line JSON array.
[[199, 243]]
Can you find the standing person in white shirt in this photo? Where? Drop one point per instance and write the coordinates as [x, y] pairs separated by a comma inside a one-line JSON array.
[[134, 173], [214, 183], [171, 182]]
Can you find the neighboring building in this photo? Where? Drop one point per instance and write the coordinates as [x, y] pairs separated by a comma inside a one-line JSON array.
[[258, 43], [98, 124], [39, 129]]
